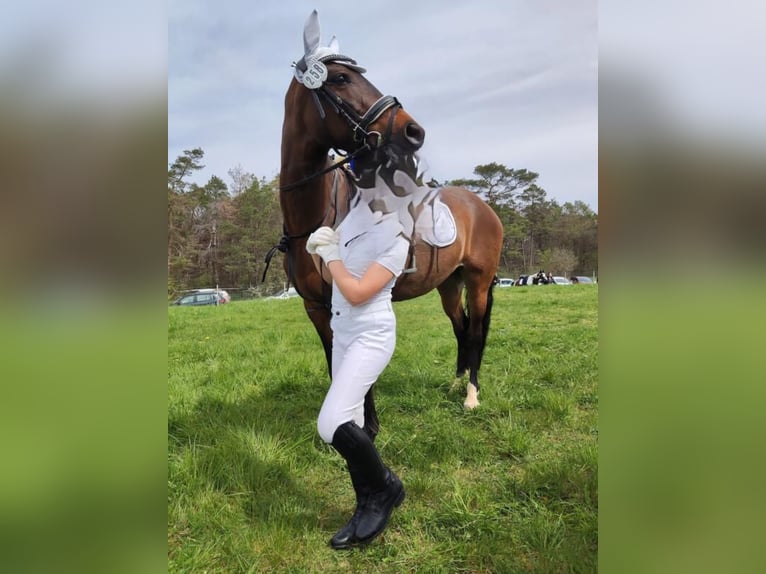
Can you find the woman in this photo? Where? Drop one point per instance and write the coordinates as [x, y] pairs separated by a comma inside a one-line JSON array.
[[364, 256]]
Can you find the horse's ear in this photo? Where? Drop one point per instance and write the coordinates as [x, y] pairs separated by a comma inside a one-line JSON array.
[[334, 46], [311, 33]]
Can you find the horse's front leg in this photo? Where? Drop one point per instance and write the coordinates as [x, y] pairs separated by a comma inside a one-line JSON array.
[[320, 317]]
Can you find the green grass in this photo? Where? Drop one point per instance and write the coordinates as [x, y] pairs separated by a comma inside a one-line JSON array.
[[509, 487]]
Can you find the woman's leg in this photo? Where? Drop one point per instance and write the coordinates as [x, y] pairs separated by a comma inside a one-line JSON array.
[[363, 348]]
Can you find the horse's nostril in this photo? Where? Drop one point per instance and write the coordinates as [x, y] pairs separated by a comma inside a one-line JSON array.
[[415, 134]]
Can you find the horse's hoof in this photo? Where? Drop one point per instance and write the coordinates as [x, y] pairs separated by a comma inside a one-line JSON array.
[[456, 384], [472, 397]]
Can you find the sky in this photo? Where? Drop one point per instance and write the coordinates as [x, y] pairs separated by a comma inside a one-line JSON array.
[[489, 80]]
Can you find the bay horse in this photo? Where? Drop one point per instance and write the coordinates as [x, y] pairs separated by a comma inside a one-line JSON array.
[[346, 112]]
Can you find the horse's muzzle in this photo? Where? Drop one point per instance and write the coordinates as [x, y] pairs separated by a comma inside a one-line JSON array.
[[415, 135]]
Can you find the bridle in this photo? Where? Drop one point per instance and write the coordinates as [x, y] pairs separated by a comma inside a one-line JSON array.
[[360, 126], [362, 135]]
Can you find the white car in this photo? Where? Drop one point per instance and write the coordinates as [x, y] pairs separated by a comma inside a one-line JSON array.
[[286, 294], [558, 280], [505, 282]]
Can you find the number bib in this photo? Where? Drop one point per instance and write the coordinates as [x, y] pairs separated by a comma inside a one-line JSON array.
[[315, 74]]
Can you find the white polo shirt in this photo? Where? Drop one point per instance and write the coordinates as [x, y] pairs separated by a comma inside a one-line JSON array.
[[364, 239]]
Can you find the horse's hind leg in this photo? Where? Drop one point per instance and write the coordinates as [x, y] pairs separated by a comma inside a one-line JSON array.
[[320, 318], [479, 312], [451, 292]]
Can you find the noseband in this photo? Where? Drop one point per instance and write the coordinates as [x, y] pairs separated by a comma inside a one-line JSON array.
[[359, 126]]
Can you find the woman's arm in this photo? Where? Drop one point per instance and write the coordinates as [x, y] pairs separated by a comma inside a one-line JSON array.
[[358, 291]]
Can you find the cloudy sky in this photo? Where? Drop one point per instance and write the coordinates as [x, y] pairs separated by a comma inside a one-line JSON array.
[[489, 80]]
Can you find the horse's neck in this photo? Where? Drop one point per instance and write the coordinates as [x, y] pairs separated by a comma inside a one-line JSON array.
[[303, 205], [346, 192], [323, 200]]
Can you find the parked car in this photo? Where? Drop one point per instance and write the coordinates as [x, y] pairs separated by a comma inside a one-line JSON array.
[[286, 294], [225, 297], [200, 299], [558, 280], [582, 279], [505, 282]]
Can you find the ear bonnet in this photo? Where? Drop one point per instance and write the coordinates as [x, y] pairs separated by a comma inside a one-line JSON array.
[[311, 70]]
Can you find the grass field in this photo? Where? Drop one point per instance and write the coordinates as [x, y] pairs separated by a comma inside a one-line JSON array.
[[509, 487]]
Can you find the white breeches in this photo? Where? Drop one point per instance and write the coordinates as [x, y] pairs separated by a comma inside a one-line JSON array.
[[362, 345]]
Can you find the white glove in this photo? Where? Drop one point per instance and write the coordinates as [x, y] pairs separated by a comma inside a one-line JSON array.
[[322, 236], [329, 252]]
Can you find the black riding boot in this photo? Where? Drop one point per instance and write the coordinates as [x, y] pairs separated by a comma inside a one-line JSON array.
[[344, 538], [378, 489]]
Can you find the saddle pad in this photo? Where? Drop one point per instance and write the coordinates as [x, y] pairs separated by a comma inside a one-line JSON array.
[[435, 224]]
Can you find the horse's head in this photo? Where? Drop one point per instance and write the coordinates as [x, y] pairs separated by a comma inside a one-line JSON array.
[[333, 105]]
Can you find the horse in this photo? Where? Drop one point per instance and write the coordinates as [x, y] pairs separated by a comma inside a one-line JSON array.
[[540, 279], [348, 114]]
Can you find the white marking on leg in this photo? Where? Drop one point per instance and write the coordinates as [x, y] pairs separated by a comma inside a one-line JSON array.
[[472, 397]]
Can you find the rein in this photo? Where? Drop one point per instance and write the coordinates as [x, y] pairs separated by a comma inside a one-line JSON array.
[[328, 169], [284, 242]]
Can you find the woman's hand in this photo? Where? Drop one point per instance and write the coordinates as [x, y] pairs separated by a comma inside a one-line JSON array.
[[323, 236], [329, 252]]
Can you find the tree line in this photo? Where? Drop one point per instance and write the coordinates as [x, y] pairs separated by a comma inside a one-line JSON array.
[[219, 233], [538, 233]]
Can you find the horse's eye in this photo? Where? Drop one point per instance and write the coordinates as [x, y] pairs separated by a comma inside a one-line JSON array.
[[340, 79]]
